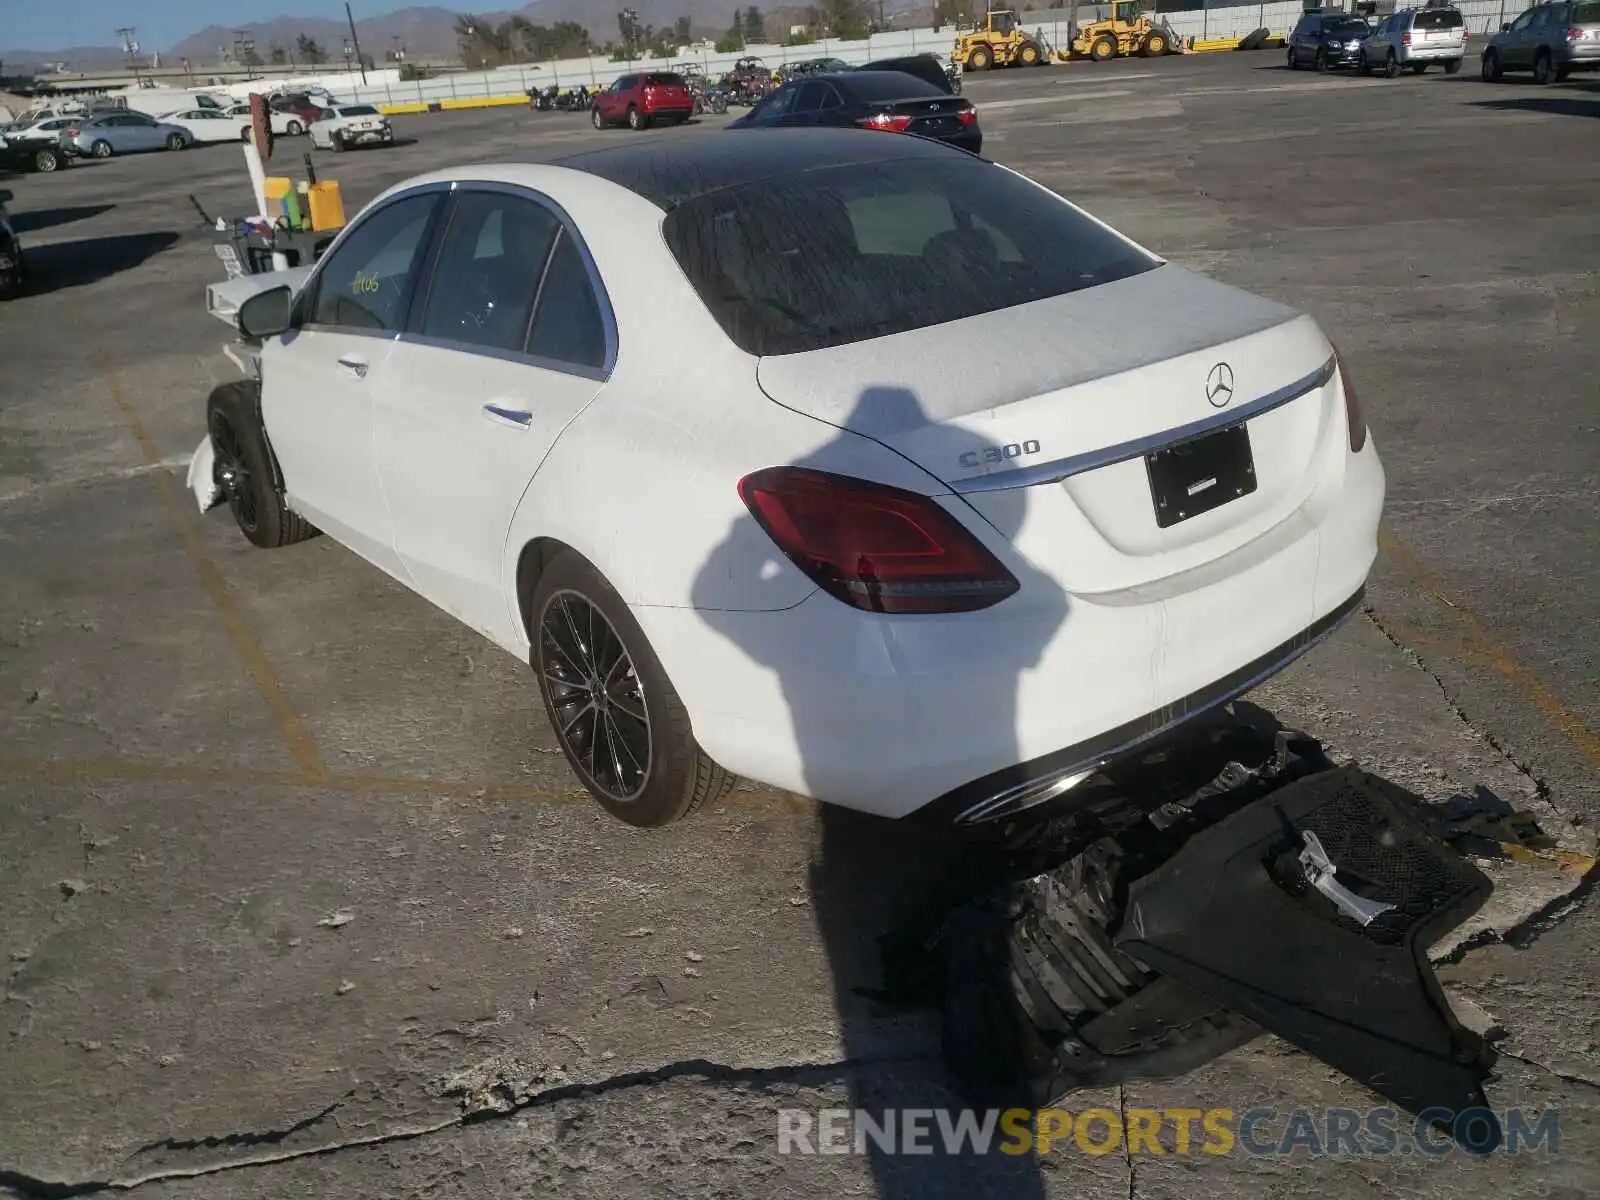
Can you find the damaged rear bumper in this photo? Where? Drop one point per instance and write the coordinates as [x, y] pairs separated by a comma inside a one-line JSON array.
[[1186, 934]]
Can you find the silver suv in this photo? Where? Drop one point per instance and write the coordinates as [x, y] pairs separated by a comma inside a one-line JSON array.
[[1551, 40], [1416, 38]]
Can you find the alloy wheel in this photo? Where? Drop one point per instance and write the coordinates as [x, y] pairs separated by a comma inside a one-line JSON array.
[[231, 472], [594, 690]]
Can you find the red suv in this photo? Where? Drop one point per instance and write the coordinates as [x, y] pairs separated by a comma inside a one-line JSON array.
[[642, 100]]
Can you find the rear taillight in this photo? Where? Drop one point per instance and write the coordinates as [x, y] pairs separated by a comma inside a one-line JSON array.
[[1405, 39], [72, 133], [1575, 34], [877, 548], [1352, 407], [888, 122], [968, 116]]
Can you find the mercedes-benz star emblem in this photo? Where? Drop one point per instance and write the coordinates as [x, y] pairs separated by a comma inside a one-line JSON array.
[[1219, 385]]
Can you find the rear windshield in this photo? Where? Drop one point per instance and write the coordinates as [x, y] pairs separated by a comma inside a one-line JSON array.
[[359, 110], [1438, 18], [1587, 13], [891, 84], [663, 79], [1345, 28], [844, 254]]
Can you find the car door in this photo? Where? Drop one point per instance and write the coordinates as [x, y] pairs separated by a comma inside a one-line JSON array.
[[611, 100], [138, 132], [512, 339], [776, 108], [807, 105], [1515, 48], [318, 378]]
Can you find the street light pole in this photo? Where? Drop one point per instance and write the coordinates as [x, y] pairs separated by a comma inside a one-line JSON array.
[[355, 41]]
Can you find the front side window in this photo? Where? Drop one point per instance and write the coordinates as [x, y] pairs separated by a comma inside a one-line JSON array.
[[1525, 19], [488, 271], [367, 280], [840, 255]]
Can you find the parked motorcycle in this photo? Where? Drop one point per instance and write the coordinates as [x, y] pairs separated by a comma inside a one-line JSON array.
[[13, 267], [543, 99], [717, 98], [576, 100]]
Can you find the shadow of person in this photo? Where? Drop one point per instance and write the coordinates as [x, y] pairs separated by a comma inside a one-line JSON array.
[[916, 689]]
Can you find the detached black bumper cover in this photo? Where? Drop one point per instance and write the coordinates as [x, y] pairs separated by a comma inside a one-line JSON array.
[[1184, 932], [1232, 917]]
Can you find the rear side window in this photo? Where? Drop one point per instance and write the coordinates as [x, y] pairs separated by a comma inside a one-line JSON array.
[[359, 110], [488, 270], [890, 85], [663, 79], [840, 255], [568, 327], [1438, 18], [1587, 13]]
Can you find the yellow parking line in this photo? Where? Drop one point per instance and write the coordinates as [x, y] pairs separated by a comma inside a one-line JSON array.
[[302, 748], [1492, 651]]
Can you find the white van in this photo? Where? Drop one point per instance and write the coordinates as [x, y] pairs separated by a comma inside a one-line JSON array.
[[154, 101]]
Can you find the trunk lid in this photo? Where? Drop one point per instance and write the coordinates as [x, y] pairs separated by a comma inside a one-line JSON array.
[[1049, 409]]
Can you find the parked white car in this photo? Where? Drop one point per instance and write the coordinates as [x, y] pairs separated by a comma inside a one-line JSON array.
[[284, 124], [206, 125], [349, 125], [735, 449]]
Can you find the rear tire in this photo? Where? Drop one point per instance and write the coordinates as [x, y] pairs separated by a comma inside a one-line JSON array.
[[637, 121], [1391, 66], [980, 60], [1562, 73], [1489, 69], [1294, 63], [598, 677], [177, 142], [1543, 70], [243, 470], [293, 129], [1452, 67], [1363, 67], [1419, 68]]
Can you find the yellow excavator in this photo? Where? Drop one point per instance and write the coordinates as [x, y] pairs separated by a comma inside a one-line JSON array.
[[999, 42], [1128, 31]]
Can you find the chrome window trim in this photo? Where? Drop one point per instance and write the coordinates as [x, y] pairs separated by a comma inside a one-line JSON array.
[[1091, 460]]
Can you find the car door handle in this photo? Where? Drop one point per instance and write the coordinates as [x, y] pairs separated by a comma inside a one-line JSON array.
[[355, 364], [515, 417]]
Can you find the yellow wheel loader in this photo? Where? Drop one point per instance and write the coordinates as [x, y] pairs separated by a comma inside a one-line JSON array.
[[999, 42], [1127, 32]]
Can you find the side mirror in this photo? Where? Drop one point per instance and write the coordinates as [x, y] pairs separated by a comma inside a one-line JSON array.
[[266, 314], [1505, 26]]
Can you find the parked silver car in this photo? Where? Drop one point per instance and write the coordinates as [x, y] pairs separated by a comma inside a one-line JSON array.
[[1551, 40], [1416, 38], [128, 133]]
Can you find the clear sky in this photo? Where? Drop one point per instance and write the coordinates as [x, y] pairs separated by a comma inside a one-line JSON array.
[[36, 25]]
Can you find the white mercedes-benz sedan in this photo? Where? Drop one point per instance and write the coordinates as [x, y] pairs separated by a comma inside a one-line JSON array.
[[855, 465]]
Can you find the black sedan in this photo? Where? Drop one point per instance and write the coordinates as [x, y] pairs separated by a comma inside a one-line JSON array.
[[891, 101]]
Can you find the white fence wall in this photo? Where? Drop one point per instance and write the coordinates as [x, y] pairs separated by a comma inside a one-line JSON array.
[[1482, 16]]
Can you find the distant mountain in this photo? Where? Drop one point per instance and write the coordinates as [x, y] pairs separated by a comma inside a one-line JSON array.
[[78, 58]]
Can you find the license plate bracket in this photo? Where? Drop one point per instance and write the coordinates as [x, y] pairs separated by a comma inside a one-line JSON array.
[[1201, 474]]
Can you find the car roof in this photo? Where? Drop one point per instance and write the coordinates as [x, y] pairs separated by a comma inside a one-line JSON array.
[[695, 167]]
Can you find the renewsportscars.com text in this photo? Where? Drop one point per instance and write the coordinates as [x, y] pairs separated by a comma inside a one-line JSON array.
[[1256, 1132]]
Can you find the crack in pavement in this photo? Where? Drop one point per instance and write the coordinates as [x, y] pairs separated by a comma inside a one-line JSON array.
[[1576, 1080], [1127, 1146], [34, 1188], [271, 1137], [1532, 927]]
